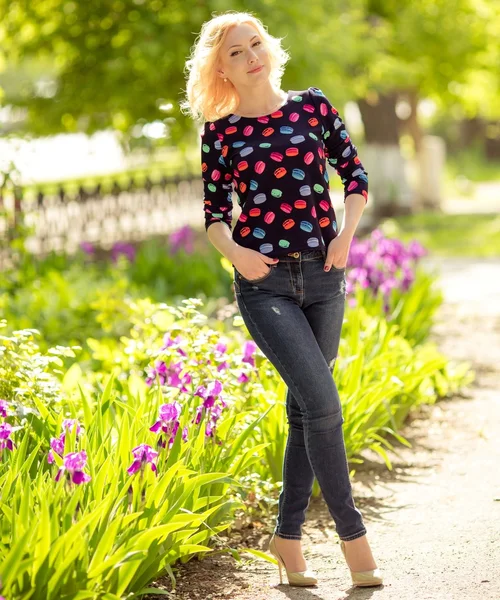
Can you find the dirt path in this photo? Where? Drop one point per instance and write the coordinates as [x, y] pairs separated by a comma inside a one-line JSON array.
[[434, 521]]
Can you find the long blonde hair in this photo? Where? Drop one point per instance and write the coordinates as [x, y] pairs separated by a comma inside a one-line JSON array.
[[208, 97]]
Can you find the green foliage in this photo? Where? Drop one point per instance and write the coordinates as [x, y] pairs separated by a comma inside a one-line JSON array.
[[471, 235]]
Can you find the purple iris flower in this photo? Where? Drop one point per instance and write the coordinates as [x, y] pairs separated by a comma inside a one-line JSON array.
[[169, 375], [88, 248], [169, 414], [74, 463], [210, 395], [4, 405], [5, 433], [220, 350], [248, 351], [168, 341], [143, 454], [123, 249], [182, 238], [71, 424], [56, 445], [382, 264]]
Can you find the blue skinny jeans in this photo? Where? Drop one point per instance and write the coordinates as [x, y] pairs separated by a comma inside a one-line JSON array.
[[294, 314]]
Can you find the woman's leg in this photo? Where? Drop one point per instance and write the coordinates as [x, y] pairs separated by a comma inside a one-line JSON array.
[[280, 328]]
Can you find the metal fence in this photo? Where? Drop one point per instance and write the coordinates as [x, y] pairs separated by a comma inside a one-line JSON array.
[[130, 212]]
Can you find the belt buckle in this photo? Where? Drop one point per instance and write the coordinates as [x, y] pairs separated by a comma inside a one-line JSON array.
[[294, 254]]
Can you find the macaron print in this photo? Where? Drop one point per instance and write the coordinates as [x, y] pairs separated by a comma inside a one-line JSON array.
[[308, 158], [298, 174], [246, 151], [275, 168]]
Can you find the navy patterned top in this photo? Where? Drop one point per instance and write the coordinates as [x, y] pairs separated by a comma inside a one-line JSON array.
[[276, 164]]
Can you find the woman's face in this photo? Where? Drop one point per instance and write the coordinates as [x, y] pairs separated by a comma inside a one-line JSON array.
[[244, 50]]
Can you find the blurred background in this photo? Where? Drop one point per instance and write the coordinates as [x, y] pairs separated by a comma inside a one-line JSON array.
[[94, 148]]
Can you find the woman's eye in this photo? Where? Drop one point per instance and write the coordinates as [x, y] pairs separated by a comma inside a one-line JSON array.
[[236, 51]]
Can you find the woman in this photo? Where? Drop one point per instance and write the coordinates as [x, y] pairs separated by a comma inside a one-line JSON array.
[[288, 255]]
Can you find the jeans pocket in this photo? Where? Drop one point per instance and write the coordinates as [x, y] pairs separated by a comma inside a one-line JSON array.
[[259, 280], [337, 268]]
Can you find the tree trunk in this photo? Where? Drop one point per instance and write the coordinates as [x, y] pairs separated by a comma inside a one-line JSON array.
[[382, 156]]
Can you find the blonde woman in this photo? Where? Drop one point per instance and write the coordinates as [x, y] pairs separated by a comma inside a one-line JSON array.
[[270, 146]]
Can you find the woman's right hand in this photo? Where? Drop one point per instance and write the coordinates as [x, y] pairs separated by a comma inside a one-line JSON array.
[[252, 264]]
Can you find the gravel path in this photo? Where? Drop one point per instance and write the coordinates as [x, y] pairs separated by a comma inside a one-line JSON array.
[[434, 521]]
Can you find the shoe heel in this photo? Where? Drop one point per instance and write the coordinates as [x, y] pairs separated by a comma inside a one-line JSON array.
[[281, 575]]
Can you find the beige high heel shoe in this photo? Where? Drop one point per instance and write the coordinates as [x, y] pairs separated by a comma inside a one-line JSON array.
[[363, 578], [300, 578]]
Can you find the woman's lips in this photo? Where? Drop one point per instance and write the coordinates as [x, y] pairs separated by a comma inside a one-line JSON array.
[[256, 70]]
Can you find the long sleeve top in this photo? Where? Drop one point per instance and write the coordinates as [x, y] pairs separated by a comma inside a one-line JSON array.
[[276, 164]]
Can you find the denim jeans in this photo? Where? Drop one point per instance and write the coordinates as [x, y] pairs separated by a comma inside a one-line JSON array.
[[294, 315]]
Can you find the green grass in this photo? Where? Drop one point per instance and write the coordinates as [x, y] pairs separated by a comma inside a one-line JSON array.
[[449, 235], [472, 164]]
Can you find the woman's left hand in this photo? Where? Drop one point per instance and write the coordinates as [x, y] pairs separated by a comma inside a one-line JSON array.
[[338, 251]]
